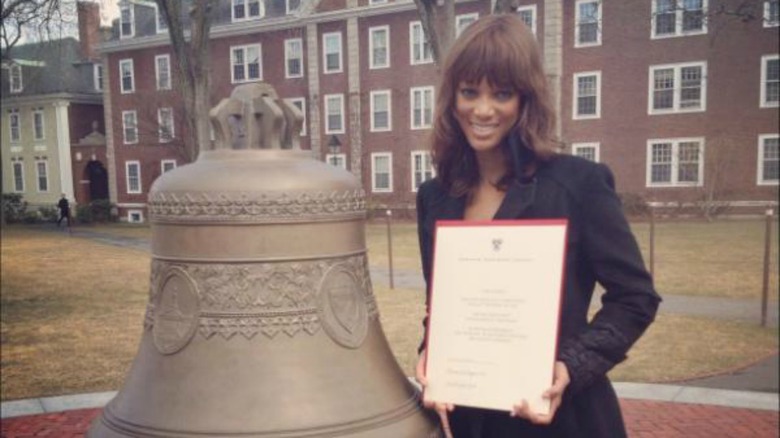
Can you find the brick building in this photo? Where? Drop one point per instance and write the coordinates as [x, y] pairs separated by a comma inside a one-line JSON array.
[[680, 99]]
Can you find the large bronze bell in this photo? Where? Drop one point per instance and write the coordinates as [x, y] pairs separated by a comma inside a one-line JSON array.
[[261, 320]]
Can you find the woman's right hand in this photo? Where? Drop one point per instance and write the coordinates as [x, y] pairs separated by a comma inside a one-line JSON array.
[[441, 408]]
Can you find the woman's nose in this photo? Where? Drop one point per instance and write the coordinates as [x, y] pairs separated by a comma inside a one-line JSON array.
[[483, 106]]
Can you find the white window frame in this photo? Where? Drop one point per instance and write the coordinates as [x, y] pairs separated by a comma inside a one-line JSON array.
[[18, 166], [675, 165], [340, 52], [129, 7], [163, 163], [302, 107], [377, 2], [371, 31], [678, 21], [289, 10], [15, 79], [125, 126], [372, 105], [340, 107], [131, 69], [161, 123], [764, 70], [41, 176], [677, 88], [288, 49], [576, 96], [578, 19], [127, 177], [97, 76], [244, 48], [532, 10], [460, 19], [426, 157], [14, 115], [596, 146], [139, 213], [160, 25], [374, 157], [337, 160], [420, 45], [760, 179], [158, 72], [414, 93], [38, 114], [767, 19], [247, 17]]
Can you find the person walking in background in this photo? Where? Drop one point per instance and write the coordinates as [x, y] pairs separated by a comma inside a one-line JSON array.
[[64, 208], [496, 158]]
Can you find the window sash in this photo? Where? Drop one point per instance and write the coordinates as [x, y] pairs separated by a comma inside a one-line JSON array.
[[380, 111], [588, 23], [679, 17], [165, 129], [381, 167], [38, 125], [332, 52], [126, 20], [128, 80], [14, 128], [770, 81], [43, 176], [18, 170], [246, 63], [163, 71], [379, 48], [422, 168], [675, 162], [130, 127], [133, 177], [16, 79], [769, 158], [293, 53], [421, 49], [679, 88], [334, 114], [422, 108]]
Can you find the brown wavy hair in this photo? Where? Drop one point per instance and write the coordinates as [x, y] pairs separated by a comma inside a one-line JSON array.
[[501, 49]]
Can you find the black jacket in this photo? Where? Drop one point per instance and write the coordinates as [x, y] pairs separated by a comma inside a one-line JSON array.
[[600, 248]]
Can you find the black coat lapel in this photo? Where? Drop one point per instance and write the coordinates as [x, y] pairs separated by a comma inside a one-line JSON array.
[[519, 197]]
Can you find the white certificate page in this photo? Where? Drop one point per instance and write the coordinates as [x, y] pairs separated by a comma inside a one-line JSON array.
[[495, 303]]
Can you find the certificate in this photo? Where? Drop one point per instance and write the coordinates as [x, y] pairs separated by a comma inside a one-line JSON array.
[[494, 307]]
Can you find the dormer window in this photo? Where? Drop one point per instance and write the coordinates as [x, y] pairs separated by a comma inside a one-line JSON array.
[[162, 25], [126, 22], [247, 9], [16, 78]]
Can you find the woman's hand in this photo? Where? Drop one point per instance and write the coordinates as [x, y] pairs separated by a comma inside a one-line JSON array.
[[561, 380], [441, 408]]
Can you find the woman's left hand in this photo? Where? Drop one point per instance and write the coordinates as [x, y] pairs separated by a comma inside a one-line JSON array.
[[561, 380]]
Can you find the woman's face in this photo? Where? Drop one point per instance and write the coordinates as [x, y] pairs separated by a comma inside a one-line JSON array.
[[486, 114]]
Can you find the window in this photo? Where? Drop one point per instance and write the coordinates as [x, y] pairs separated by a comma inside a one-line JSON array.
[[675, 162], [162, 26], [301, 104], [673, 18], [135, 216], [126, 72], [770, 81], [587, 95], [162, 64], [771, 13], [768, 159], [39, 128], [293, 58], [588, 22], [422, 107], [293, 6], [678, 88], [126, 21], [422, 168], [248, 9], [589, 151], [165, 131], [42, 173], [381, 172], [381, 112], [528, 15], [463, 21], [14, 130], [167, 165], [331, 52], [133, 174], [377, 2], [379, 47], [246, 62], [420, 51], [97, 74], [129, 127], [338, 160], [18, 169], [334, 113], [16, 78]]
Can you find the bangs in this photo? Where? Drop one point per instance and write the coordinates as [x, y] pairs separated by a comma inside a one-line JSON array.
[[491, 57]]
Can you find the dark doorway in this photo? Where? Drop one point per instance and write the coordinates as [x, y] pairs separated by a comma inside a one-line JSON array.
[[98, 180]]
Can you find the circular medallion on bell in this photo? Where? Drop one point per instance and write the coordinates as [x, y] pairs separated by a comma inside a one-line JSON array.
[[342, 307], [177, 312]]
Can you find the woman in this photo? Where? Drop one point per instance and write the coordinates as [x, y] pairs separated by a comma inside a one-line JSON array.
[[495, 158]]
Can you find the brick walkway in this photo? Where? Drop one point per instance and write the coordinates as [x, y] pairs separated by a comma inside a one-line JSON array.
[[644, 419]]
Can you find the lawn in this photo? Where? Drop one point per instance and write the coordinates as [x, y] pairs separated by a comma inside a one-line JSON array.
[[72, 309]]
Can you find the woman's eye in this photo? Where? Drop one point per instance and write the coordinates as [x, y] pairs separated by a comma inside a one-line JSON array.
[[468, 92], [504, 94]]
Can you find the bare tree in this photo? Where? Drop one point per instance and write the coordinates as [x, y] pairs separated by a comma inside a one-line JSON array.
[[191, 48], [36, 19]]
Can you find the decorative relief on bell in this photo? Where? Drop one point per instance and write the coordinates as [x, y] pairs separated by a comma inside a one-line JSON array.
[[342, 308], [178, 310]]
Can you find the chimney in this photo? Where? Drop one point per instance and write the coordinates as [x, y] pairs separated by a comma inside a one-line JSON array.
[[89, 28]]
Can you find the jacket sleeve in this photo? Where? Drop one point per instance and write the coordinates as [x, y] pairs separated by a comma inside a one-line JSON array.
[[426, 242], [630, 301]]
